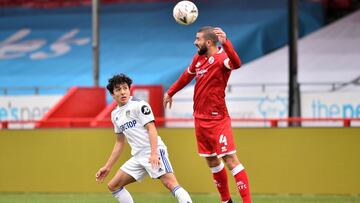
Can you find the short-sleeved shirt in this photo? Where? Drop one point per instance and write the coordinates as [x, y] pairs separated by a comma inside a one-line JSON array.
[[130, 120]]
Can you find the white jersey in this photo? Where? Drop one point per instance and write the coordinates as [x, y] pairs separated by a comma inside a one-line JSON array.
[[130, 120]]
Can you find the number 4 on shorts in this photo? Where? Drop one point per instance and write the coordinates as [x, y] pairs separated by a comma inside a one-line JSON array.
[[223, 139]]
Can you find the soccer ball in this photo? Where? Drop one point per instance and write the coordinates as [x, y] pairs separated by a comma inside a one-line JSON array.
[[185, 12]]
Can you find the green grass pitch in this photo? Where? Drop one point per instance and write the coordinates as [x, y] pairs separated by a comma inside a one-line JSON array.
[[164, 198]]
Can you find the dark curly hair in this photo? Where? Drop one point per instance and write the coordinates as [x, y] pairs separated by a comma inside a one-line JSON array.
[[118, 79]]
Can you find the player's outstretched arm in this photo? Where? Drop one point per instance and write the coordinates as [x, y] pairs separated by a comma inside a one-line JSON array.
[[234, 59], [118, 147], [185, 78]]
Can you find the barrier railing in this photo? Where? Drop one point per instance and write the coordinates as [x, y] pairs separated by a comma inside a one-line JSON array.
[[89, 122], [305, 86], [261, 87], [274, 122]]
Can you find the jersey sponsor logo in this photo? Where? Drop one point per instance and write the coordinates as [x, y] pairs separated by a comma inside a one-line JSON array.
[[145, 110], [200, 73], [128, 125]]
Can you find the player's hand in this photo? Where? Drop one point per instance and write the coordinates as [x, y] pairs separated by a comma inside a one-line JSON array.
[[220, 34], [167, 99], [101, 174], [154, 160]]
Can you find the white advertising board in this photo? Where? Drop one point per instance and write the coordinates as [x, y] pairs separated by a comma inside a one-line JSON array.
[[249, 105], [330, 105], [274, 105], [25, 108]]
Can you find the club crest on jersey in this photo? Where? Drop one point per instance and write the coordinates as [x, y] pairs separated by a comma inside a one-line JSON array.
[[145, 110], [127, 113], [211, 60]]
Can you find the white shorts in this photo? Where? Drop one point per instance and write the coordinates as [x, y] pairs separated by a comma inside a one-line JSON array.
[[138, 166]]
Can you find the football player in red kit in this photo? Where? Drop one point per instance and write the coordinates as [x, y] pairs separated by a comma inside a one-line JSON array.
[[212, 66]]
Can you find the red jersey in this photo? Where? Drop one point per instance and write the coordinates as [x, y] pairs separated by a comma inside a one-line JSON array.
[[212, 74]]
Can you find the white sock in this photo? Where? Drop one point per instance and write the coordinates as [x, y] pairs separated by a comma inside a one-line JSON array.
[[181, 194], [123, 196]]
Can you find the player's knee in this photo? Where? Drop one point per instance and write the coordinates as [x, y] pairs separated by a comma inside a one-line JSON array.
[[213, 161], [112, 187], [167, 184], [169, 181], [231, 161]]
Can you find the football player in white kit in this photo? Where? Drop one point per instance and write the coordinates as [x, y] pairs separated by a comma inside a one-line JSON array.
[[134, 120]]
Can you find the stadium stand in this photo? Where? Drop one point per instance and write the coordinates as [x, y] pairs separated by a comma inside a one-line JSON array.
[[66, 3], [52, 48], [327, 61]]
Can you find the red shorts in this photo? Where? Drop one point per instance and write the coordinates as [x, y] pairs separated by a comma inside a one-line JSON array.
[[214, 137]]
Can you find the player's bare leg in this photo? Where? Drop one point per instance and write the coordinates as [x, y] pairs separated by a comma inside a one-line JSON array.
[[238, 171], [220, 177], [170, 182], [117, 186]]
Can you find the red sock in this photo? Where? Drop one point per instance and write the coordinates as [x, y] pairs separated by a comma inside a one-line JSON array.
[[221, 181], [242, 183]]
